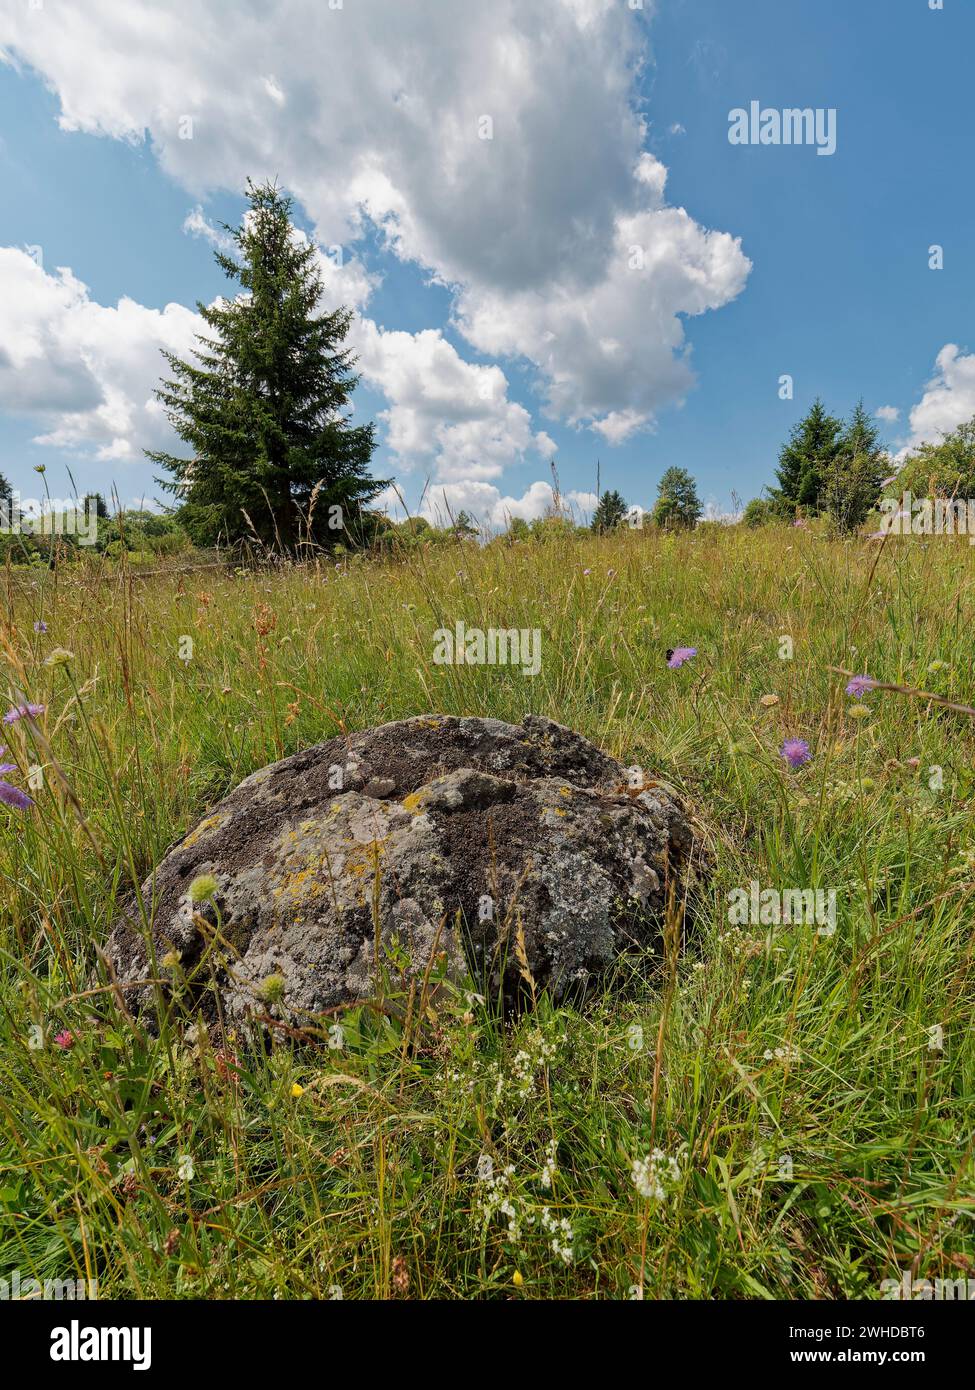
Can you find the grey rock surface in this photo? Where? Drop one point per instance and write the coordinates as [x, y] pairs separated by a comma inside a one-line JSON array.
[[425, 836]]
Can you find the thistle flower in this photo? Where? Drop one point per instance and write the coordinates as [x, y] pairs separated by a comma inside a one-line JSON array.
[[679, 655], [796, 752], [859, 686], [23, 712]]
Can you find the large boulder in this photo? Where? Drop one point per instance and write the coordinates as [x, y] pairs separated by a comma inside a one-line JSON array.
[[468, 840]]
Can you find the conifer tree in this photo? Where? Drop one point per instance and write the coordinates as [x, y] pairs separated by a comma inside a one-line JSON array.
[[265, 406]]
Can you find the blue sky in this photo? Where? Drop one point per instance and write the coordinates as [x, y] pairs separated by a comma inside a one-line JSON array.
[[495, 307]]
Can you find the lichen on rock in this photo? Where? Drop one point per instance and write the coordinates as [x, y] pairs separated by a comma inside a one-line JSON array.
[[430, 837]]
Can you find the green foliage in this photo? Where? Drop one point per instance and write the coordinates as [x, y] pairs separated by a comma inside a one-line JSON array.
[[758, 512], [463, 527], [851, 481], [610, 512], [265, 406], [806, 458], [678, 506], [944, 469]]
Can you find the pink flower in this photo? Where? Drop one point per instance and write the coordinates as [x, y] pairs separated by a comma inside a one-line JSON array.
[[65, 1039], [9, 794], [22, 712], [679, 655], [796, 752]]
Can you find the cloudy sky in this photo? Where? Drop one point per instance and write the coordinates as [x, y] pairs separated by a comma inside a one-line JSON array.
[[553, 249]]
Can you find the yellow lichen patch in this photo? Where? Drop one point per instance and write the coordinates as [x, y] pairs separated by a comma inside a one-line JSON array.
[[413, 802], [204, 827], [431, 723], [297, 885], [365, 858]]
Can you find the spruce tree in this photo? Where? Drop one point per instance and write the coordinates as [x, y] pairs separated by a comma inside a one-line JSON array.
[[610, 512], [805, 459], [851, 482], [264, 408], [678, 505]]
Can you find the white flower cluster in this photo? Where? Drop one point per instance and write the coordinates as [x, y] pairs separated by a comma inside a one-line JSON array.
[[497, 1196], [549, 1168], [782, 1054], [651, 1173], [561, 1233]]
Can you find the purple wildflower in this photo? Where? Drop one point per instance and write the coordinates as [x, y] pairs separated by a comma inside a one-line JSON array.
[[40, 625], [859, 686], [796, 752], [679, 655], [23, 712], [65, 1039], [10, 795]]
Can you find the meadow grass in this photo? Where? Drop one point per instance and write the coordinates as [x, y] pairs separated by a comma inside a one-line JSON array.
[[798, 1104]]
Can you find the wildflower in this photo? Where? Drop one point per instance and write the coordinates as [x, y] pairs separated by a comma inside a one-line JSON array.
[[40, 467], [59, 657], [937, 666], [561, 1233], [9, 794], [649, 1174], [796, 752], [23, 712], [859, 686], [859, 712], [184, 1167], [65, 1040], [170, 960], [517, 1279], [587, 571], [679, 655], [769, 701], [549, 1168], [40, 626], [297, 1090], [202, 889]]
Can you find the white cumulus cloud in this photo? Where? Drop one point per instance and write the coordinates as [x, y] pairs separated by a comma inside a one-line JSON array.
[[497, 146]]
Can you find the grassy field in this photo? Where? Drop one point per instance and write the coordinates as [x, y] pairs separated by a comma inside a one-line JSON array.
[[786, 1114]]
